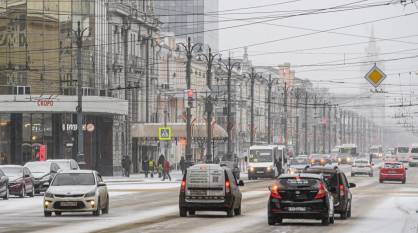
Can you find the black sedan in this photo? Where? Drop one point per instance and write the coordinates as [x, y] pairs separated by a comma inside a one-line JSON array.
[[43, 172], [4, 183], [302, 196]]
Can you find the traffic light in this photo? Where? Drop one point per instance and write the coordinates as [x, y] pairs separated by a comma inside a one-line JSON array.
[[188, 103]]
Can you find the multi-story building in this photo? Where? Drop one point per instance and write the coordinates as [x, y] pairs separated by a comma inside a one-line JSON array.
[[197, 19], [38, 78]]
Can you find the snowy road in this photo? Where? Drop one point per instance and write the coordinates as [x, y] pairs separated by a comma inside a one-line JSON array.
[[153, 208]]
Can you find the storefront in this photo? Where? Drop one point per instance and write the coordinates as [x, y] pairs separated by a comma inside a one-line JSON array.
[[30, 123]]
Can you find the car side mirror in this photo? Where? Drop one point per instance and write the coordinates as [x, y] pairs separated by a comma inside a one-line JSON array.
[[240, 183], [26, 175], [101, 184], [352, 185]]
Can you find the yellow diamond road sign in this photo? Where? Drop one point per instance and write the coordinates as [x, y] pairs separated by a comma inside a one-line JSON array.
[[375, 76]]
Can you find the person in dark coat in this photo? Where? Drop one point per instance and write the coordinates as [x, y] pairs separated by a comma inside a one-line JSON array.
[[161, 160], [182, 165], [166, 170], [145, 166]]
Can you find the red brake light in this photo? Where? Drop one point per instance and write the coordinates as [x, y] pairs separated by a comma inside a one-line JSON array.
[[227, 186], [275, 192], [342, 189], [321, 192], [183, 186]]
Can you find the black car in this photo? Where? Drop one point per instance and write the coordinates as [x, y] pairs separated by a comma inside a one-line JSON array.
[[43, 172], [338, 184], [301, 196], [4, 185]]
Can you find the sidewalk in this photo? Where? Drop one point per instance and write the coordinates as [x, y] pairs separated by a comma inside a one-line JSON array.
[[176, 177]]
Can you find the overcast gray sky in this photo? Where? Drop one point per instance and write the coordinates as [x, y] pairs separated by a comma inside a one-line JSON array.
[[403, 27]]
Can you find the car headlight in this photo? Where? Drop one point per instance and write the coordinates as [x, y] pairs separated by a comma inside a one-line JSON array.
[[251, 169], [49, 195], [348, 159], [90, 194], [269, 168]]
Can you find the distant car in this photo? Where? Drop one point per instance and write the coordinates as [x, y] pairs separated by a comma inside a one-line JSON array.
[[76, 191], [20, 180], [65, 164], [345, 159], [413, 160], [320, 159], [339, 186], [210, 187], [43, 172], [297, 165], [393, 171], [301, 196], [4, 186], [362, 166]]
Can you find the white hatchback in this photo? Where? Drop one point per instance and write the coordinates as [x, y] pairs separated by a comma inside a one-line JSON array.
[[76, 191], [362, 166]]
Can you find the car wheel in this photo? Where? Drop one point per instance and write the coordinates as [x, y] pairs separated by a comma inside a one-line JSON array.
[[106, 209], [325, 221], [57, 213], [97, 212], [403, 181], [192, 212], [32, 193], [380, 181], [47, 214], [22, 192], [371, 174], [6, 196], [349, 211], [183, 212], [343, 215], [230, 212], [238, 211], [271, 221], [352, 174]]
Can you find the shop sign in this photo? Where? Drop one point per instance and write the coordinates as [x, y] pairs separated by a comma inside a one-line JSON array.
[[45, 102], [73, 127]]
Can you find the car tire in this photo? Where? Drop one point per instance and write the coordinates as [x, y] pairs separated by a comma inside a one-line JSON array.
[[352, 174], [22, 192], [6, 196], [325, 221], [371, 174], [57, 213], [349, 211], [238, 211], [403, 181], [380, 181], [192, 212], [32, 193], [271, 221], [106, 209], [47, 214], [343, 215], [97, 212], [332, 220], [230, 212], [183, 212]]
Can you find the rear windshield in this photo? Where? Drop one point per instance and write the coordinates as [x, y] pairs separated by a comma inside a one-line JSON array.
[[295, 183], [393, 165], [402, 149], [414, 150]]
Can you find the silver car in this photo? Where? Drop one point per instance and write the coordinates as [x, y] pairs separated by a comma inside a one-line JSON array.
[[76, 191]]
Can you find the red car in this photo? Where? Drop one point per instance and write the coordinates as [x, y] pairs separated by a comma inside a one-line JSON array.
[[394, 171], [21, 181]]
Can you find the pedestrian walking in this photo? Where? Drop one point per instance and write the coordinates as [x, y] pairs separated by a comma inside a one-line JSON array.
[[166, 170], [182, 165], [127, 165], [3, 158], [151, 167], [146, 167], [161, 160]]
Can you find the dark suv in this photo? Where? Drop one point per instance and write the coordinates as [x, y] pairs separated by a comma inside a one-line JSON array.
[[340, 188], [302, 196]]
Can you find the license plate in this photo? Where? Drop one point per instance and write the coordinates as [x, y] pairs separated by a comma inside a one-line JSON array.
[[260, 172], [68, 204], [297, 209], [198, 192], [392, 172]]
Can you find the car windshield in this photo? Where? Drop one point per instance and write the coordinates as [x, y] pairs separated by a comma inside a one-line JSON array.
[[298, 161], [64, 165], [393, 165], [39, 167], [260, 156], [64, 179], [299, 182], [350, 151], [414, 150], [402, 149], [12, 171]]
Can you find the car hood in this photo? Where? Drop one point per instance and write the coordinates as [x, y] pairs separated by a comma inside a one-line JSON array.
[[39, 175], [70, 189]]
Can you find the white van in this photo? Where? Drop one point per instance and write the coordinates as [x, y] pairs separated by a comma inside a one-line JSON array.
[[210, 187], [402, 153], [267, 161], [413, 153]]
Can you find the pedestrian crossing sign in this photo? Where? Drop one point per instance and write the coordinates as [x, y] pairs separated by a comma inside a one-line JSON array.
[[164, 133]]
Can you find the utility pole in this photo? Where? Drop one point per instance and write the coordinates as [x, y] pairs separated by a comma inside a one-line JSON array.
[[285, 115], [80, 142], [324, 127], [343, 126], [124, 29], [306, 123], [314, 126], [329, 129], [297, 95], [189, 49], [252, 77], [336, 126], [270, 83], [147, 79], [209, 105], [358, 132], [352, 127]]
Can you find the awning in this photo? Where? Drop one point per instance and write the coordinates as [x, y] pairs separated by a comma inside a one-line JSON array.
[[150, 130]]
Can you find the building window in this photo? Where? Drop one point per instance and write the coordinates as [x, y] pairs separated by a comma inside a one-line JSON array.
[[21, 90]]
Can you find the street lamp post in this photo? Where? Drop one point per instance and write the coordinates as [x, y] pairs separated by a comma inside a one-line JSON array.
[[229, 66], [270, 83], [189, 49], [210, 58], [252, 76]]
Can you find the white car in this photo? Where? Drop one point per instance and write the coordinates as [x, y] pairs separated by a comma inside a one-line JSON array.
[[76, 191], [362, 166]]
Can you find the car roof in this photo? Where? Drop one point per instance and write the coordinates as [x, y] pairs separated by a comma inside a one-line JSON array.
[[208, 166], [303, 175], [322, 170], [59, 160], [40, 162], [78, 171], [393, 162], [11, 165]]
